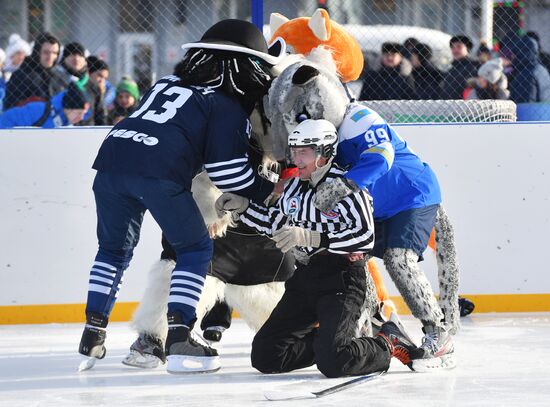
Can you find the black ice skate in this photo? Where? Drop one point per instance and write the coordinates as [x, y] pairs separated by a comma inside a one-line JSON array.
[[146, 352], [401, 347], [438, 350], [93, 340], [184, 354], [213, 333]]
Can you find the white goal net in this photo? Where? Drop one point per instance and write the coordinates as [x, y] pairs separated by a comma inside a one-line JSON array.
[[444, 111]]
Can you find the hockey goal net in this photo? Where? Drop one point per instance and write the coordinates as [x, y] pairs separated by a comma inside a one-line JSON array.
[[444, 111]]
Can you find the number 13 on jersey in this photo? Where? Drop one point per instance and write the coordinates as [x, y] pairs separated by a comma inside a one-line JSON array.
[[170, 107]]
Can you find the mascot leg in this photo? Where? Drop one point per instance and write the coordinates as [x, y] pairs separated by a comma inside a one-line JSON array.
[[150, 319], [212, 292], [216, 321], [212, 295], [447, 267], [437, 344], [402, 265], [254, 302]]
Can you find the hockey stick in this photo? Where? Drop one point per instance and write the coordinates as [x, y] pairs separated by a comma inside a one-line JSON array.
[[280, 395]]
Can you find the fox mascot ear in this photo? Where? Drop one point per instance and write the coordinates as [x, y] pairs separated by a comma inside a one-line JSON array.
[[304, 34]]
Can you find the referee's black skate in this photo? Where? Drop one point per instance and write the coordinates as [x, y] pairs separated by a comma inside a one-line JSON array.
[[146, 352], [400, 346], [184, 354], [92, 342], [437, 350]]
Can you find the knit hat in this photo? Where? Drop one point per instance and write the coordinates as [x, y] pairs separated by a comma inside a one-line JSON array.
[[423, 51], [127, 84], [491, 70], [74, 98], [73, 48], [95, 64], [16, 44], [463, 39], [391, 48]]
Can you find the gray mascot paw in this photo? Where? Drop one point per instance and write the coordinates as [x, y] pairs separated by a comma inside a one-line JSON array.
[[330, 193]]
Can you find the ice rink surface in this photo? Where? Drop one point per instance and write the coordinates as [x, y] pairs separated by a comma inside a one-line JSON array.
[[503, 360]]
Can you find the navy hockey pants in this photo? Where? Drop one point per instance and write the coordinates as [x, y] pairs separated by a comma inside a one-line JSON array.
[[121, 202]]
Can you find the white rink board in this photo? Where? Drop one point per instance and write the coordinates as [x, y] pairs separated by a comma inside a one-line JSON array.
[[495, 182], [494, 177], [48, 239]]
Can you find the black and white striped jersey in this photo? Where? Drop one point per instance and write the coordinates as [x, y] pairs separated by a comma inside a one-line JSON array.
[[348, 228]]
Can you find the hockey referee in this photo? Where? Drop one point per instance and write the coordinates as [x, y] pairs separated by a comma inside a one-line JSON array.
[[318, 317]]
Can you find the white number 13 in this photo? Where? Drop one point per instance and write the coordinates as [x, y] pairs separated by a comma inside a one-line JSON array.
[[170, 106]]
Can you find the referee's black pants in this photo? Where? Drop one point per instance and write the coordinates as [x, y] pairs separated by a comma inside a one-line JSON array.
[[330, 290]]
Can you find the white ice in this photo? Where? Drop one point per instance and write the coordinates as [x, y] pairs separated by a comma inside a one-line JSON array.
[[504, 360]]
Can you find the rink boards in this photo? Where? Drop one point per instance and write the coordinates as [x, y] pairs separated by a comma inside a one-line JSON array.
[[494, 178]]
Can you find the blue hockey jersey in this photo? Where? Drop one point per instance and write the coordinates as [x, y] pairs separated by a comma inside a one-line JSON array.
[[176, 132], [378, 159]]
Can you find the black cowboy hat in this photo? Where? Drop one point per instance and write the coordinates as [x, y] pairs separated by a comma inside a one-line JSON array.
[[240, 36]]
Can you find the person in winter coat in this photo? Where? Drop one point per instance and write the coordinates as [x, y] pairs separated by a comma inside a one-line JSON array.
[[98, 72], [65, 108], [427, 77], [463, 68], [393, 80], [126, 100], [16, 52], [36, 79], [544, 57], [491, 82], [530, 81], [72, 66]]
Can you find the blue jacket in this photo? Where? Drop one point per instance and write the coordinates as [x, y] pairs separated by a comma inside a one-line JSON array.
[[378, 159], [30, 113]]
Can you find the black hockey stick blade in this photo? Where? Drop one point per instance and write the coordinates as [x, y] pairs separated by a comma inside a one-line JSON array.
[[280, 395]]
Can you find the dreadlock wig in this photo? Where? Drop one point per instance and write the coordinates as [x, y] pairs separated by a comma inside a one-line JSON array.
[[243, 76]]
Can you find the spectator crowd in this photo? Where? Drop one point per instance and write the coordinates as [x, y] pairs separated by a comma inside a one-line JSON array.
[[516, 69], [48, 84]]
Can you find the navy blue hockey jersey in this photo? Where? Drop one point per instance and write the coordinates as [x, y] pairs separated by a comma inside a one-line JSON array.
[[176, 132]]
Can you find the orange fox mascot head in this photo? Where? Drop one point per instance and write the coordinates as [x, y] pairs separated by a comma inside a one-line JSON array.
[[303, 34]]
